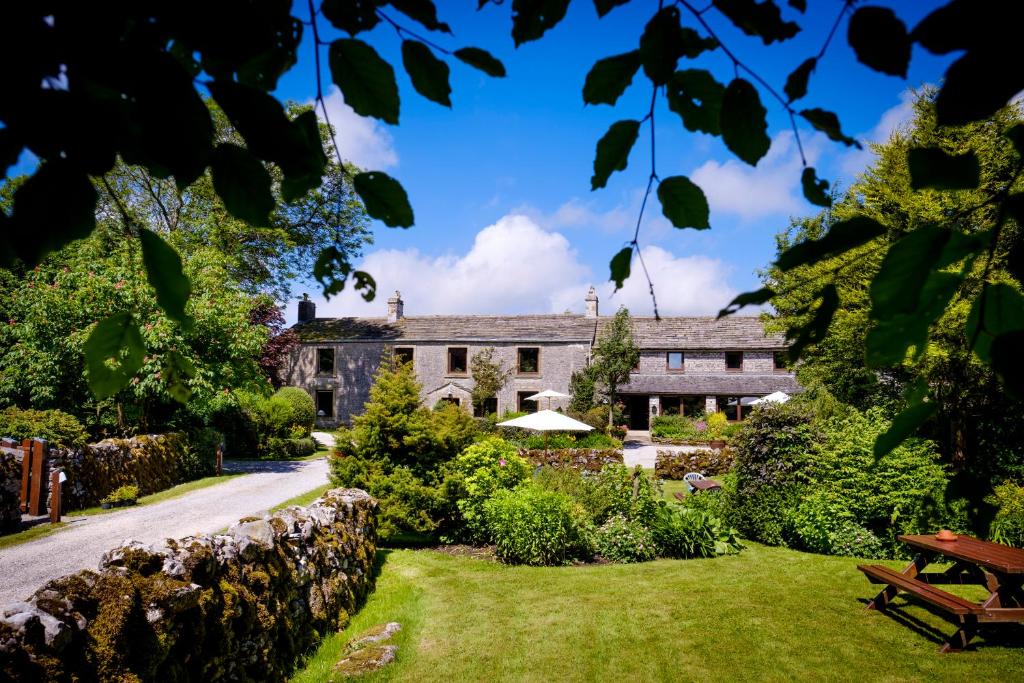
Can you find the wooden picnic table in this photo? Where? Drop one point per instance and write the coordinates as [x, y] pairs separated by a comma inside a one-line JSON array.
[[705, 484], [999, 568]]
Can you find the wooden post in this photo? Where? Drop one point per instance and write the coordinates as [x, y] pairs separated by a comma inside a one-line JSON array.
[[26, 469], [220, 459], [37, 486], [55, 496]]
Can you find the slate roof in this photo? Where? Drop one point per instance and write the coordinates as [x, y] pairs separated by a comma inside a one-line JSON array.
[[684, 333], [468, 328], [704, 333], [731, 384]]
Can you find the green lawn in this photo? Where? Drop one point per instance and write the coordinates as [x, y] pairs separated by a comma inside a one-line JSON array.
[[767, 614], [303, 498]]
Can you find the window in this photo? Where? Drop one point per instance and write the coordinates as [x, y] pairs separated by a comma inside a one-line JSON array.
[[528, 361], [781, 361], [449, 399], [490, 407], [325, 361], [524, 405], [674, 361], [325, 403], [670, 405], [403, 354], [694, 405], [457, 361], [733, 360]]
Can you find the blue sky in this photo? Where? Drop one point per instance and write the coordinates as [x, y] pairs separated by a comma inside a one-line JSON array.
[[500, 183]]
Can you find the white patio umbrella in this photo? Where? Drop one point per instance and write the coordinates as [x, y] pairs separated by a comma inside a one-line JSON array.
[[547, 421], [776, 397], [548, 394]]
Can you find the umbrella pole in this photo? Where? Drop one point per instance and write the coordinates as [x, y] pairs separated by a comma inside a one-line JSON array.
[[546, 453]]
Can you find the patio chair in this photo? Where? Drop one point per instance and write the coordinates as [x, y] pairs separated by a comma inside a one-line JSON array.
[[692, 476]]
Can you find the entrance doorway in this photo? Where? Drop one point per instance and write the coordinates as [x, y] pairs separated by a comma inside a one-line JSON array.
[[637, 412]]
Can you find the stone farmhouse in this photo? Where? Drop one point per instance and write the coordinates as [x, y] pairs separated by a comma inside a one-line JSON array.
[[687, 364]]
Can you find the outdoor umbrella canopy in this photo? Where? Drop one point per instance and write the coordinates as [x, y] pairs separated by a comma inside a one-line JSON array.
[[547, 421], [777, 397], [548, 394]]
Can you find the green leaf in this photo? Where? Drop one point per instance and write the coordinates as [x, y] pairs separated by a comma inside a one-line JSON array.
[[828, 123], [798, 5], [903, 426], [10, 150], [620, 266], [114, 352], [352, 16], [1005, 361], [533, 18], [422, 11], [880, 40], [365, 282], [331, 269], [605, 6], [482, 60], [683, 203], [814, 330], [841, 237], [609, 78], [889, 340], [55, 206], [972, 92], [999, 310], [302, 160], [243, 183], [796, 82], [384, 198], [696, 96], [956, 25], [165, 274], [613, 151], [762, 19], [815, 190], [743, 122], [429, 74], [175, 371], [897, 286], [664, 41], [756, 298], [1016, 136], [931, 167], [366, 81]]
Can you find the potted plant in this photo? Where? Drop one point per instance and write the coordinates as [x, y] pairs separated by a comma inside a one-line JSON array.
[[716, 424]]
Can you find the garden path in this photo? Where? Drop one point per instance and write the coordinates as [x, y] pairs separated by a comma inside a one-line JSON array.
[[26, 567], [637, 449]]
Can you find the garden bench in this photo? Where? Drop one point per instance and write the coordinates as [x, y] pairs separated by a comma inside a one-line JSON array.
[[997, 567]]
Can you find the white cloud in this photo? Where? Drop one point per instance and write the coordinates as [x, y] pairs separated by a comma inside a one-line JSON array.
[[892, 120], [515, 266], [363, 141], [771, 188]]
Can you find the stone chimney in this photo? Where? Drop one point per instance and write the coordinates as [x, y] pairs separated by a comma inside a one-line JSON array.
[[591, 303], [396, 307], [307, 309]]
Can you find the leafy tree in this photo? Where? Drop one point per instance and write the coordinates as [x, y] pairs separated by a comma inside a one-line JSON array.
[[489, 377], [583, 387], [615, 356], [280, 341]]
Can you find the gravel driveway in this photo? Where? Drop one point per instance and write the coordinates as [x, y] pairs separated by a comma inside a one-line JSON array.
[[26, 567]]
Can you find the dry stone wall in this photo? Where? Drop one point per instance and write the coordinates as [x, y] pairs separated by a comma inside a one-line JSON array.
[[10, 488], [245, 605], [583, 459], [676, 464]]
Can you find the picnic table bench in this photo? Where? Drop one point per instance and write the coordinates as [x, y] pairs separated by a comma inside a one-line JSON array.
[[997, 567]]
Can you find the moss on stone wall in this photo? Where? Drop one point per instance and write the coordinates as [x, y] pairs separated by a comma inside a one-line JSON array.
[[10, 492], [245, 605], [676, 464]]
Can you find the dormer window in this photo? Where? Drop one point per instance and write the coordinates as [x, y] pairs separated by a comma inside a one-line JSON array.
[[734, 361]]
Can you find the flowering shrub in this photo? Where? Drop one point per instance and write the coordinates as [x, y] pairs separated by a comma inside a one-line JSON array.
[[624, 540], [534, 526], [475, 475], [823, 523]]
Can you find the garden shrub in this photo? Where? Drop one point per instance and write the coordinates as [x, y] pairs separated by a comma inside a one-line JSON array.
[[303, 410], [534, 526], [276, 448], [684, 532], [407, 504], [678, 428], [475, 475], [629, 493], [582, 488], [1008, 525], [200, 457], [677, 464], [823, 523], [714, 503], [60, 429], [624, 540], [772, 453]]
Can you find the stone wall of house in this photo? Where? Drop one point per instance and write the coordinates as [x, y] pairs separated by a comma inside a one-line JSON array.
[[654, 362], [153, 462], [245, 605], [10, 492], [356, 362]]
